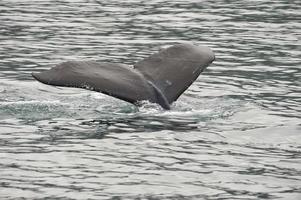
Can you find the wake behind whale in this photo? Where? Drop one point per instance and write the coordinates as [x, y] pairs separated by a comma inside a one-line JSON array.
[[160, 78]]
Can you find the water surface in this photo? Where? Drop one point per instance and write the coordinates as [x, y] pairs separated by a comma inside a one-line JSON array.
[[234, 134]]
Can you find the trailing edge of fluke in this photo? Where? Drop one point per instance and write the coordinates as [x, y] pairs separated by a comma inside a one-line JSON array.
[[160, 78]]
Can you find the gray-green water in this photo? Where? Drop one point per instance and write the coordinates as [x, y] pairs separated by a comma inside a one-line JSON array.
[[234, 134]]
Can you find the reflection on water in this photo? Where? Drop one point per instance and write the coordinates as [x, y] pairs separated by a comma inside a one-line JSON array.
[[235, 134]]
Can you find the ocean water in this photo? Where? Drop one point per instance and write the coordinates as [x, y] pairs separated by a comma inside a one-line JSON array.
[[234, 134]]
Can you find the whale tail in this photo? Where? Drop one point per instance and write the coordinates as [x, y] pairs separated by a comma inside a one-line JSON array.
[[161, 78]]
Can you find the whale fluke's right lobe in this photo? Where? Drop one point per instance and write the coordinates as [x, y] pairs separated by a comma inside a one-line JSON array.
[[174, 69]]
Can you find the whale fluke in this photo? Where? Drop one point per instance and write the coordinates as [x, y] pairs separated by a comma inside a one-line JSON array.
[[161, 78]]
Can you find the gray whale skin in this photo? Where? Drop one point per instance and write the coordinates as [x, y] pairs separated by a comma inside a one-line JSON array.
[[160, 78]]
